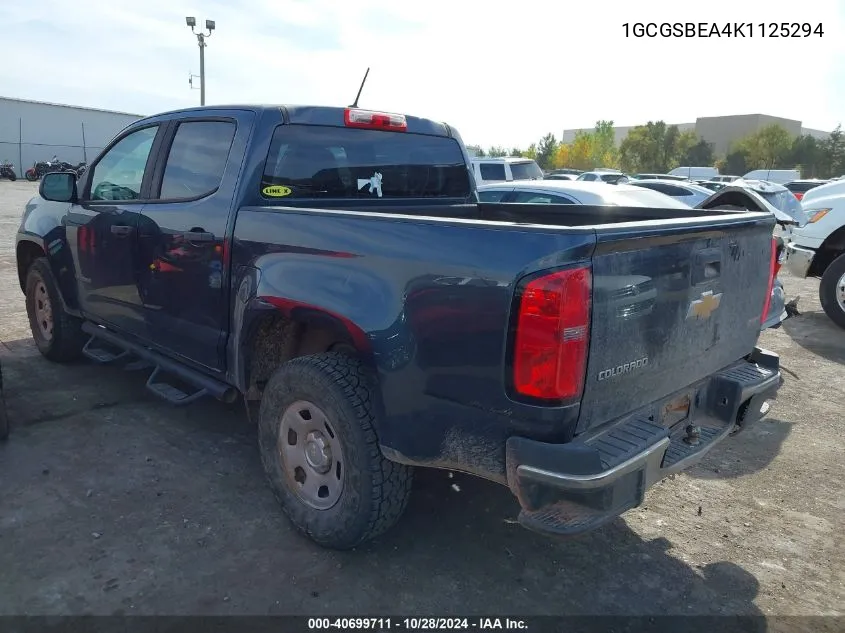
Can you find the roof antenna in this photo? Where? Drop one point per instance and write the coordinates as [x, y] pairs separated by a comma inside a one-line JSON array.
[[358, 96]]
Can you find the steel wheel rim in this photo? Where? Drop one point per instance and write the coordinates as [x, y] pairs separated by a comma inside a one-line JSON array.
[[840, 293], [310, 455], [43, 310]]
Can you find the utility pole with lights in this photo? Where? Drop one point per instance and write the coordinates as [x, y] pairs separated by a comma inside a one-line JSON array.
[[201, 37]]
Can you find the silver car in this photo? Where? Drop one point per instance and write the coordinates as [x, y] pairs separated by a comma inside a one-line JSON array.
[[576, 192], [686, 192]]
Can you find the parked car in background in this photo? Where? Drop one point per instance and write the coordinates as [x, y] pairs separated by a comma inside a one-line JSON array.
[[576, 192], [561, 177], [780, 176], [779, 199], [565, 170], [505, 169], [686, 192], [712, 185], [723, 178], [610, 177], [659, 177], [695, 173], [800, 187], [816, 246]]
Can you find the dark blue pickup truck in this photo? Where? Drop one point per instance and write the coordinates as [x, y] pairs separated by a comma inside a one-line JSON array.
[[335, 266]]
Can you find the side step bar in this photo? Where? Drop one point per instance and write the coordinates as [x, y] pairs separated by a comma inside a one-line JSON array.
[[149, 359]]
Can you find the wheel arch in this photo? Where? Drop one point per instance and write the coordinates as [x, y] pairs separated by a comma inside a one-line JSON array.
[[61, 264], [832, 247]]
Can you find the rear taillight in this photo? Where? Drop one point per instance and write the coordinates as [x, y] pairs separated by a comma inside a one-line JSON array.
[[375, 120], [773, 268], [552, 335], [798, 194]]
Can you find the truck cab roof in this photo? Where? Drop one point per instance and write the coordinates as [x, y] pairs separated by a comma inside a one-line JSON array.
[[308, 115]]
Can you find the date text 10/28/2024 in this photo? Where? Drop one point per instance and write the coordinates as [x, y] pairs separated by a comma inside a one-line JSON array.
[[417, 624], [728, 29]]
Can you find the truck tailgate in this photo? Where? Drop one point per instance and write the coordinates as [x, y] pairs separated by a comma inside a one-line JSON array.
[[671, 305]]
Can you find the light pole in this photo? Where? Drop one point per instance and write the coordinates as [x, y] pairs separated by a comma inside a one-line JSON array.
[[209, 25]]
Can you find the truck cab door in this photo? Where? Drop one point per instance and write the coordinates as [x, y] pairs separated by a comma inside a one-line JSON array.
[[102, 229], [182, 264]]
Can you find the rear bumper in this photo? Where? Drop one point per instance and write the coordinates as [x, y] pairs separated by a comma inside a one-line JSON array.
[[568, 489], [798, 259]]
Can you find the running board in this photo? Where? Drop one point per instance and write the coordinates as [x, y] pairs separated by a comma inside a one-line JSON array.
[[97, 349]]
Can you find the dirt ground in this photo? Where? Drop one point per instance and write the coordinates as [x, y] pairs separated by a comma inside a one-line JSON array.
[[112, 502]]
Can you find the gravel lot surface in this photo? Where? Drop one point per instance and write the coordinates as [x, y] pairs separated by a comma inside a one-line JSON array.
[[112, 502]]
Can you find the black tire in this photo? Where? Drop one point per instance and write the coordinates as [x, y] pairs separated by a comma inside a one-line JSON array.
[[375, 490], [12, 176], [65, 341], [31, 175], [832, 278]]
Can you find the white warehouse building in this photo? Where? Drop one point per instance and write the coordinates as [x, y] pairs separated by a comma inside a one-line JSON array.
[[31, 131]]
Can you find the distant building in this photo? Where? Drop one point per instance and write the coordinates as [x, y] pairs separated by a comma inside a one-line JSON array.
[[721, 131], [33, 130]]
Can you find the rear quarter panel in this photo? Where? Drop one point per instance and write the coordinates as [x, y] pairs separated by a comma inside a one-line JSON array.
[[432, 300]]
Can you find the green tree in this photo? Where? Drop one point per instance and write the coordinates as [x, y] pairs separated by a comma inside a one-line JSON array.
[[700, 154], [603, 145], [477, 150], [531, 152], [736, 163], [653, 147], [833, 153], [546, 150], [496, 151], [515, 152], [767, 147], [806, 155]]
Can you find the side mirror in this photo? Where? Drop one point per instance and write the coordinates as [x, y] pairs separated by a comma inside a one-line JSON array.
[[58, 186]]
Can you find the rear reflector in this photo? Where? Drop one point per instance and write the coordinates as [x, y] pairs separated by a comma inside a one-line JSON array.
[[375, 120], [798, 194], [552, 335], [773, 269]]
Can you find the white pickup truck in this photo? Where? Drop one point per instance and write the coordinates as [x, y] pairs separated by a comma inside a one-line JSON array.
[[816, 246]]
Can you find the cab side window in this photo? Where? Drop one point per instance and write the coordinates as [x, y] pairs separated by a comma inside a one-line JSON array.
[[119, 173], [196, 159]]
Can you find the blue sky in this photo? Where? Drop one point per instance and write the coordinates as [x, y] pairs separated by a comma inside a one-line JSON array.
[[500, 75]]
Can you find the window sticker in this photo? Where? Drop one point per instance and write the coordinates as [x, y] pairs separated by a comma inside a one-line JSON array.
[[374, 183], [277, 191]]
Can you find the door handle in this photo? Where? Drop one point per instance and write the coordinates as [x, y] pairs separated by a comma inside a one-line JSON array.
[[121, 230]]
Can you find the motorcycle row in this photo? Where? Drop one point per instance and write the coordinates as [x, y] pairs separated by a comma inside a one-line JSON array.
[[37, 171]]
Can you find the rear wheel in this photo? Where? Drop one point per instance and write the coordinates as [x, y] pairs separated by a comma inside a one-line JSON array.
[[832, 291], [321, 454], [31, 175], [57, 334]]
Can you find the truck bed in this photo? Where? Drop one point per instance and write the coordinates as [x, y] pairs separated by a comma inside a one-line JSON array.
[[434, 298]]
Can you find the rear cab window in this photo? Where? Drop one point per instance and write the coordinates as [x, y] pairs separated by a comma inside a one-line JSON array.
[[315, 161]]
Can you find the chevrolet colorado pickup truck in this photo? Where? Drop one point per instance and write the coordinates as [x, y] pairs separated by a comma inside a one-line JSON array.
[[335, 269]]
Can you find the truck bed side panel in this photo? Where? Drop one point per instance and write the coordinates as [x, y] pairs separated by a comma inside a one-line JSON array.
[[433, 299]]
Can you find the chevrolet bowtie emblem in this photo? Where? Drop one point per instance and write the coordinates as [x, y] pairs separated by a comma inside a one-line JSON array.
[[705, 306]]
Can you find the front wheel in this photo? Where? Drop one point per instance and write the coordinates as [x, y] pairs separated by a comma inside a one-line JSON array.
[[31, 175], [832, 291], [57, 334], [321, 455]]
